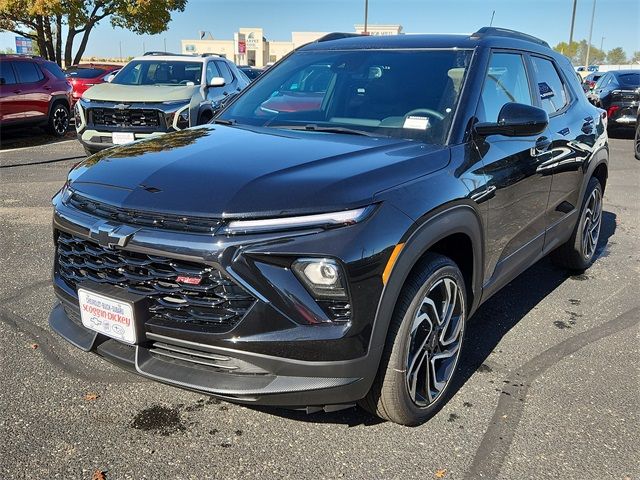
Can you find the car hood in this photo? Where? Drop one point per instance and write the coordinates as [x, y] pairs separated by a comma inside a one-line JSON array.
[[215, 170], [111, 92]]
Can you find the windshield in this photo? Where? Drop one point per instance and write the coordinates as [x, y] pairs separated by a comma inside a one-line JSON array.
[[159, 72], [397, 93]]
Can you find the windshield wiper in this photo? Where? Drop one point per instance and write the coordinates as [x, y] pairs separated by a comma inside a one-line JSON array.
[[312, 127]]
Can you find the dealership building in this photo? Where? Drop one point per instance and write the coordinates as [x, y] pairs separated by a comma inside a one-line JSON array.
[[249, 46]]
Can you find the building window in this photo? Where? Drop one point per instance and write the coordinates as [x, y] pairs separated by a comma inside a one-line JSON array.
[[190, 48]]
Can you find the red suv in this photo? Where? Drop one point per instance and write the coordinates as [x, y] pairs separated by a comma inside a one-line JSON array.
[[34, 91], [86, 75]]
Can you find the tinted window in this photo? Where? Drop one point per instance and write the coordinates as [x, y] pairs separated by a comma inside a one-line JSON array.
[[629, 80], [394, 93], [75, 72], [7, 76], [159, 72], [601, 81], [225, 72], [251, 73], [506, 82], [28, 72], [54, 69], [212, 71], [553, 94]]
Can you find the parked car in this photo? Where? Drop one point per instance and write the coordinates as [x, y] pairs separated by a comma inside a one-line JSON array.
[[590, 81], [318, 258], [303, 92], [155, 94], [618, 92], [251, 72], [33, 92], [85, 75]]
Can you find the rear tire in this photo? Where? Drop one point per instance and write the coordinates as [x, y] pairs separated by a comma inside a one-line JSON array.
[[58, 123], [423, 345], [579, 251]]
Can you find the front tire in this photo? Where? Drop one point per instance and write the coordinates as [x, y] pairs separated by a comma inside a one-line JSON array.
[[579, 251], [423, 346], [58, 120]]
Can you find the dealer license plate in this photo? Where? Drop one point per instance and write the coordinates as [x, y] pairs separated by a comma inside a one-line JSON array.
[[107, 315], [119, 138]]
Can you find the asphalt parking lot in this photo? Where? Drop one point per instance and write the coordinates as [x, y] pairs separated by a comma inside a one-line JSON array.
[[549, 384]]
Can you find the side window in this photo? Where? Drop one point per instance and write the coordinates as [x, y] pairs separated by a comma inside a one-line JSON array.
[[600, 83], [226, 73], [553, 94], [28, 72], [54, 70], [506, 82], [212, 71], [7, 77]]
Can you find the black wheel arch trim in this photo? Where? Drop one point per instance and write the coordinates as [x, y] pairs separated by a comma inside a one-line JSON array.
[[56, 99], [598, 157], [461, 218]]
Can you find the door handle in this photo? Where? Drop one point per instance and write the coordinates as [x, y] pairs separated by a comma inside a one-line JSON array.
[[542, 145]]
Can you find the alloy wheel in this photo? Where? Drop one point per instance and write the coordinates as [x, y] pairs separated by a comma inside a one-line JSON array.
[[591, 223], [60, 120], [434, 342]]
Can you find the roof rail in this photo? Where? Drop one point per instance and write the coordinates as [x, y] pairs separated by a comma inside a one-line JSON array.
[[337, 36], [211, 54], [23, 55], [154, 53], [505, 32]]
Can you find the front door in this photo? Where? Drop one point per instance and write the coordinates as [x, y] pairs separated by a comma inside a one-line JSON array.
[[516, 209]]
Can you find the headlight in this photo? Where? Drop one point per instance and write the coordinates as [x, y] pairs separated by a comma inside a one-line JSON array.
[[322, 276], [179, 118], [322, 220]]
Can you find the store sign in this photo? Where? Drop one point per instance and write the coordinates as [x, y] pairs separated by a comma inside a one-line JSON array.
[[240, 43], [253, 42], [24, 46]]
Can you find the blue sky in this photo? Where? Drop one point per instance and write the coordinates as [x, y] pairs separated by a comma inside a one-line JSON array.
[[617, 20]]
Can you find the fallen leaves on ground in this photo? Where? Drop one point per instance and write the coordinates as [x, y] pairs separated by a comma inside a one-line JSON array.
[[91, 396], [98, 475], [440, 473]]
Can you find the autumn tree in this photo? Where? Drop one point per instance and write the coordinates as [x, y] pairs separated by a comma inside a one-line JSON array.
[[616, 56], [49, 22], [636, 57]]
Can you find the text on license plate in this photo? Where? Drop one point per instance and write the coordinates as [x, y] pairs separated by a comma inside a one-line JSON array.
[[119, 138], [107, 315]]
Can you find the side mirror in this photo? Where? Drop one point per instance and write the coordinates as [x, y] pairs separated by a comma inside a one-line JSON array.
[[217, 82], [516, 120], [110, 78]]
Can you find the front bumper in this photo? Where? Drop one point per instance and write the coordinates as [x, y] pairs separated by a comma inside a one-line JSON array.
[[277, 357]]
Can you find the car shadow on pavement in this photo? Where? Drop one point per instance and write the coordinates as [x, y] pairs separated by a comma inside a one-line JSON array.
[[491, 322], [20, 137]]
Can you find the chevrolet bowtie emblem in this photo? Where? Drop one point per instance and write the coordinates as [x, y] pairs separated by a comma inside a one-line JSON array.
[[121, 106], [110, 236]]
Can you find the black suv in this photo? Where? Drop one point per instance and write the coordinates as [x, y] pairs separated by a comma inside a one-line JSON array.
[[323, 256]]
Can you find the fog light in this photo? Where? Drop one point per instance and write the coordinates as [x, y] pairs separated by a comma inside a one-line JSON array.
[[322, 276]]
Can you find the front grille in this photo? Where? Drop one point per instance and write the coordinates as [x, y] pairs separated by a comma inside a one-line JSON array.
[[216, 301], [144, 219], [134, 117]]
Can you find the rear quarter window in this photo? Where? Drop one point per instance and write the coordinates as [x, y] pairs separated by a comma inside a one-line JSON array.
[[54, 70]]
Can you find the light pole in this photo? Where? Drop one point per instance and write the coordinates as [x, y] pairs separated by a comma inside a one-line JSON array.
[[492, 17], [593, 16], [573, 21], [366, 15], [602, 42]]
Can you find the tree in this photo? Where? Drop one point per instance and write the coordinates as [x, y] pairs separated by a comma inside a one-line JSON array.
[[568, 50], [636, 57], [47, 22], [616, 56], [577, 52]]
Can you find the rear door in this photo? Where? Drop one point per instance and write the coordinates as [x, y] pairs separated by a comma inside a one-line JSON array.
[[516, 208], [34, 93], [10, 110], [572, 132]]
